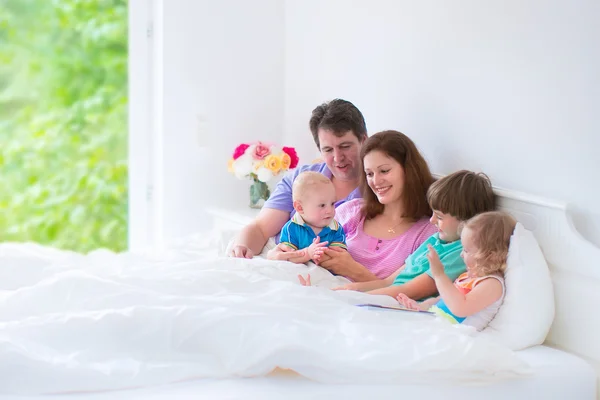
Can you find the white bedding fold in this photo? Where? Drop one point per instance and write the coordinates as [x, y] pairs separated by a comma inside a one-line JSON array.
[[70, 322]]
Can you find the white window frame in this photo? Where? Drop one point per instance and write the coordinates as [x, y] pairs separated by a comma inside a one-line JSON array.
[[145, 126]]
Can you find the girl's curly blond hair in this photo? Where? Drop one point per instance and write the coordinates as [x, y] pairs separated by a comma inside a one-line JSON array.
[[490, 233]]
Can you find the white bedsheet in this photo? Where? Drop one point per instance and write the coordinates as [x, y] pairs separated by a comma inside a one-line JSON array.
[[70, 322], [556, 376]]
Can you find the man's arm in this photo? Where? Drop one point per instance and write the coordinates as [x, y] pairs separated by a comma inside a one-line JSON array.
[[254, 236]]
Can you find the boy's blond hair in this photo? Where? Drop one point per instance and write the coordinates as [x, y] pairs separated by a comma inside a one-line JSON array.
[[306, 182], [491, 232], [463, 194]]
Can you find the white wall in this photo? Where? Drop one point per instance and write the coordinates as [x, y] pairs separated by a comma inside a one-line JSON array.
[[508, 87], [222, 84]]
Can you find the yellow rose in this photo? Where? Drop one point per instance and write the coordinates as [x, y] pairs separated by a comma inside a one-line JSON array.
[[230, 165], [273, 164], [285, 161]]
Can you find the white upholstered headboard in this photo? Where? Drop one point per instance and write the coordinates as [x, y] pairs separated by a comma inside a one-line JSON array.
[[575, 267]]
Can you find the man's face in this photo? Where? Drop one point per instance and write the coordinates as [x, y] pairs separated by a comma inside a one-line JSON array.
[[341, 154]]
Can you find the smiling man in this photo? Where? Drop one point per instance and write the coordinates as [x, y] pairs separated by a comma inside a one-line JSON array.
[[339, 130]]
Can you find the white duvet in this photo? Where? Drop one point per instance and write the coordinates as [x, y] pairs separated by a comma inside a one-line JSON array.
[[70, 322]]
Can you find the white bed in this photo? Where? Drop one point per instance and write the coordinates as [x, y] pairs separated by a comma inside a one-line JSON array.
[[556, 374]]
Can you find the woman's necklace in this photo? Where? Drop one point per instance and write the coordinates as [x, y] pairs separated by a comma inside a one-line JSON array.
[[391, 230]]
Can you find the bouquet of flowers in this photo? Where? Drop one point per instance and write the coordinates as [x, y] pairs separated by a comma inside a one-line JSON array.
[[261, 162]]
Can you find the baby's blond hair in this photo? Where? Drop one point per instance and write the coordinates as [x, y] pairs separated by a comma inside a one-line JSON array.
[[306, 182], [491, 232]]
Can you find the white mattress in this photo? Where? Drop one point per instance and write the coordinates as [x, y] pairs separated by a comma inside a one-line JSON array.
[[558, 375]]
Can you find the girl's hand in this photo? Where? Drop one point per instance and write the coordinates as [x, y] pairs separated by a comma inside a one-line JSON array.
[[407, 302], [435, 265], [304, 282]]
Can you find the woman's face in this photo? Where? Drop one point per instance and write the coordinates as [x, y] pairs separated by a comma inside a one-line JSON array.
[[385, 176]]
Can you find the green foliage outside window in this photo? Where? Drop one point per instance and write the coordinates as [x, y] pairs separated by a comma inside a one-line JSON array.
[[63, 123]]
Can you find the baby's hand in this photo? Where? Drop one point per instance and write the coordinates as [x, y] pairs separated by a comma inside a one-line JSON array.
[[319, 255], [315, 250], [407, 302], [304, 282], [435, 265]]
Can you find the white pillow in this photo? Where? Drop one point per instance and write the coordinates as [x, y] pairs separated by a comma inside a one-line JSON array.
[[525, 317]]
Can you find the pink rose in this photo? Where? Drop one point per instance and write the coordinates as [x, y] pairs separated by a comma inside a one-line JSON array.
[[261, 151], [240, 150], [290, 151]]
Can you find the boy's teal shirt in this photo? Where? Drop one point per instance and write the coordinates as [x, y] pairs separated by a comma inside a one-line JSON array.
[[417, 263]]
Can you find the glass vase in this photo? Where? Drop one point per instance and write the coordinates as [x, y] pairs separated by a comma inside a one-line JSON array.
[[259, 193]]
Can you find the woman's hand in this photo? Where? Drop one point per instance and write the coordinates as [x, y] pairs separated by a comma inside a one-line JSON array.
[[319, 256], [435, 265], [339, 262], [286, 253], [407, 302]]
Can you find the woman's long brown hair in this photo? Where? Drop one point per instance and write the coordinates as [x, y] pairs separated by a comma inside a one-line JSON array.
[[416, 171]]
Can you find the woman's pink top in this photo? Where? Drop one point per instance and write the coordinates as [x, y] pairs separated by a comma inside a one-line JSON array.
[[382, 257]]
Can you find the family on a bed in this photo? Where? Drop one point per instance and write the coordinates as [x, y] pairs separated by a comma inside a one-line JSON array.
[[372, 212]]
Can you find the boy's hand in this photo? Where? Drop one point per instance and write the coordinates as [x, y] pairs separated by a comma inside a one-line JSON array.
[[315, 250], [435, 265]]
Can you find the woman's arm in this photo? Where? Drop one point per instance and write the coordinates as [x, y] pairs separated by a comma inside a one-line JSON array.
[[418, 288], [356, 272], [371, 285], [342, 263]]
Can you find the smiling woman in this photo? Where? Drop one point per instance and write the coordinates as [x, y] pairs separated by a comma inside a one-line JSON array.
[[63, 126], [392, 219]]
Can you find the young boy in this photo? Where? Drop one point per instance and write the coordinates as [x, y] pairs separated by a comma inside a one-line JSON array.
[[313, 225], [454, 199]]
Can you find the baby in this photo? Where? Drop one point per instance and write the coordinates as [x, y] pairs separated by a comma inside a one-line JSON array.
[[475, 296], [313, 225]]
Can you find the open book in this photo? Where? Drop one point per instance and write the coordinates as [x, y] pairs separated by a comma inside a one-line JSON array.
[[394, 308]]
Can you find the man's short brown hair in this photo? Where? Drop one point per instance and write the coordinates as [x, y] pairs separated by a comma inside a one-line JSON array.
[[338, 116], [463, 194]]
